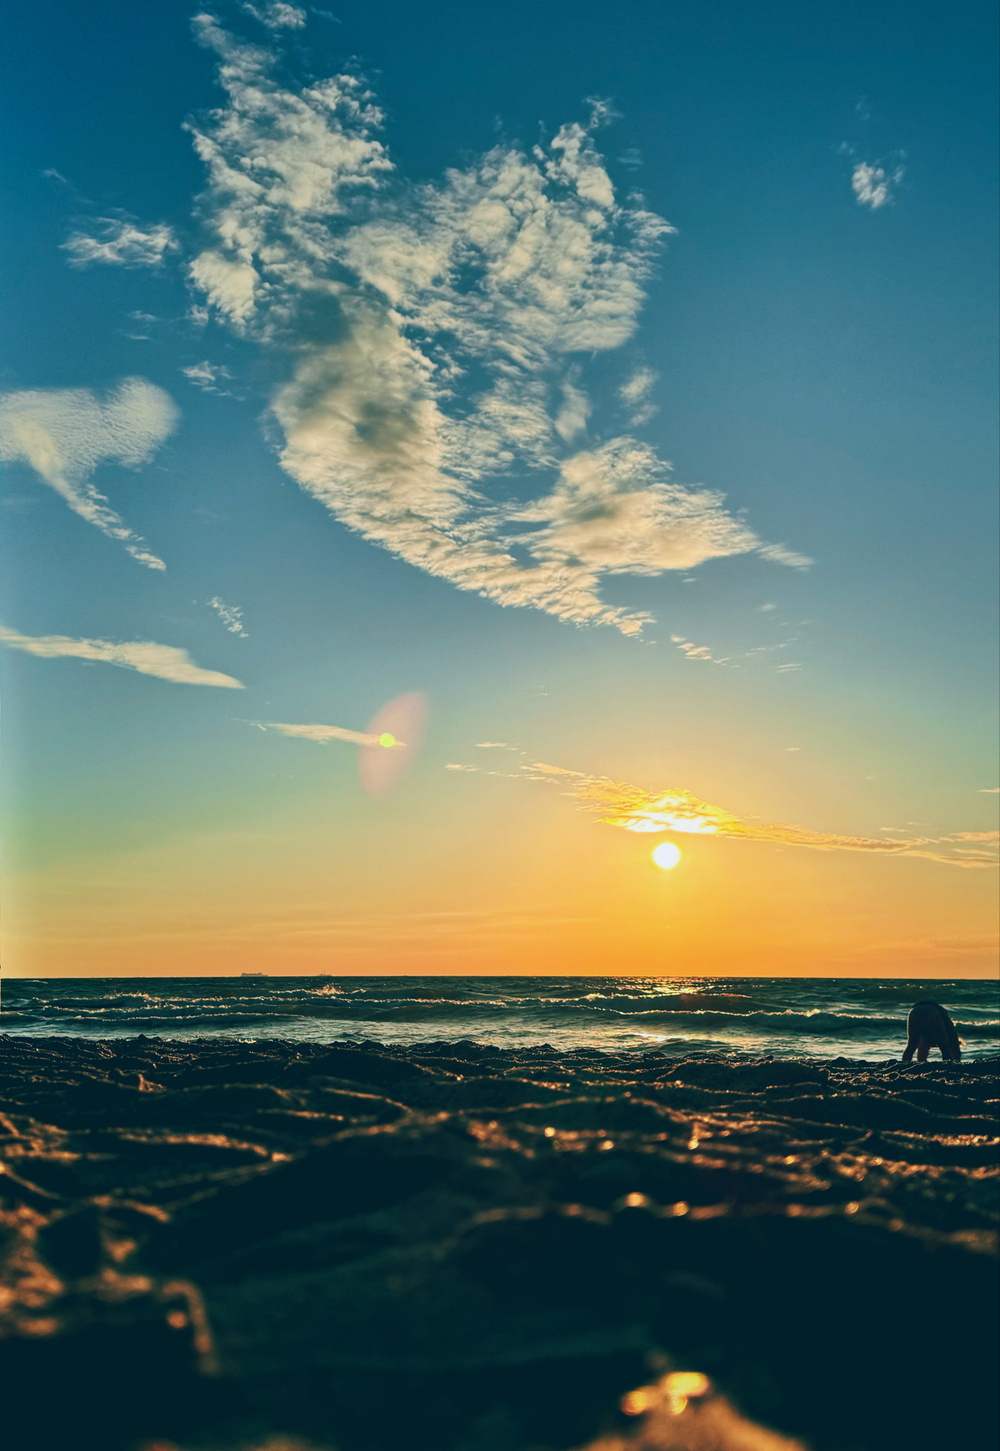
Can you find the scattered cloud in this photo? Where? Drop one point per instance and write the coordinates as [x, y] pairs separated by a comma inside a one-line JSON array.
[[633, 808], [571, 420], [277, 15], [635, 394], [165, 661], [697, 652], [874, 186], [230, 615], [64, 434], [989, 790], [437, 337], [209, 377], [120, 242]]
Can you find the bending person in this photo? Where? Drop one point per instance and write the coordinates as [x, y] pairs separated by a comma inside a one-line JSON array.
[[929, 1026]]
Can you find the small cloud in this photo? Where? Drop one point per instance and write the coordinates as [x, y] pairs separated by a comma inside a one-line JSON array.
[[164, 661], [766, 609], [121, 243], [230, 615], [571, 420], [209, 377], [989, 790], [631, 158], [874, 186], [793, 748], [602, 112], [64, 433], [492, 746], [635, 394], [697, 652], [389, 744], [279, 16], [320, 734]]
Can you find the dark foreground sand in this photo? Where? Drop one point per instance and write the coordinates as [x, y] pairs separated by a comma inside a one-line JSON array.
[[462, 1249]]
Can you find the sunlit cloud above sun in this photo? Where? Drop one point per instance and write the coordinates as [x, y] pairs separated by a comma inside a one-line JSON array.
[[635, 809]]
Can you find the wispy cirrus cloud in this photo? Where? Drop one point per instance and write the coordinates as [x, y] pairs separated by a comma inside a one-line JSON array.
[[634, 808], [167, 662], [63, 434], [437, 337], [323, 734], [120, 242]]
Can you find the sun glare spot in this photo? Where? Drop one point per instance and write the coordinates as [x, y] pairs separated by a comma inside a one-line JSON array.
[[666, 855], [387, 739]]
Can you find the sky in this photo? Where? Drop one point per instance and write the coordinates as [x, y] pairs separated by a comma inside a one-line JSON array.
[[450, 453]]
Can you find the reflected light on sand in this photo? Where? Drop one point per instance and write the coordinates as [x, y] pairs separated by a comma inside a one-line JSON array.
[[674, 1392]]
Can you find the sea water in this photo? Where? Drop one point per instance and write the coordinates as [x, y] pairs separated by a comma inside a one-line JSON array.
[[816, 1018]]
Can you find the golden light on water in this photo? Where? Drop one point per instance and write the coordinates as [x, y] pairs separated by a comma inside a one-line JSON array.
[[666, 855]]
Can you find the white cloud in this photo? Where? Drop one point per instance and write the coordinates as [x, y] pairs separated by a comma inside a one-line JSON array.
[[571, 420], [700, 652], [63, 434], [209, 377], [277, 15], [121, 243], [165, 661], [230, 615], [321, 734], [874, 185], [635, 392], [437, 336]]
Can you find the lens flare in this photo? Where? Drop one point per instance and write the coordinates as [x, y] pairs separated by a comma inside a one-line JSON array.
[[666, 855], [391, 742]]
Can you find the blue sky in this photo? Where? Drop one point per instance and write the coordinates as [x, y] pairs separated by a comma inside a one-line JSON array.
[[674, 335]]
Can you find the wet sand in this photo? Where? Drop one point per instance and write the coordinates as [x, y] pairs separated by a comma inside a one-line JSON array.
[[467, 1249]]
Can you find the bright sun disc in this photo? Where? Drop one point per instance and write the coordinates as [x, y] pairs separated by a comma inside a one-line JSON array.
[[666, 855]]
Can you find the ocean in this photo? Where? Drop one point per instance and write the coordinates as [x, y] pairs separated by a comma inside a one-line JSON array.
[[810, 1018]]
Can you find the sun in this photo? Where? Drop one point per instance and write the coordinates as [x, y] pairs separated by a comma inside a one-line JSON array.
[[666, 855]]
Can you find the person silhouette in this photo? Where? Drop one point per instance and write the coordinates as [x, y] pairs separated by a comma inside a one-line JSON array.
[[929, 1026]]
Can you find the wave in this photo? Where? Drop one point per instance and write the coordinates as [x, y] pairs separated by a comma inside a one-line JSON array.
[[809, 1018]]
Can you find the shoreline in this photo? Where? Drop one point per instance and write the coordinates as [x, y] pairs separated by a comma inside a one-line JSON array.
[[265, 1233]]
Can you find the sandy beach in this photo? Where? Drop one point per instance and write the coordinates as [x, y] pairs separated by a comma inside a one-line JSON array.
[[232, 1244]]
